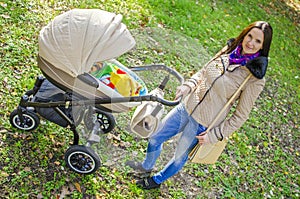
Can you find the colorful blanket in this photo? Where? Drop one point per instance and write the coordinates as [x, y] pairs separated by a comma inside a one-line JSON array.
[[117, 78]]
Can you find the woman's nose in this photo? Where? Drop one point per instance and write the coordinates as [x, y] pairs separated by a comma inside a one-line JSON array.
[[250, 42]]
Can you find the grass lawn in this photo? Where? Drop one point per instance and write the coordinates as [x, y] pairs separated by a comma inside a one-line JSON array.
[[261, 159]]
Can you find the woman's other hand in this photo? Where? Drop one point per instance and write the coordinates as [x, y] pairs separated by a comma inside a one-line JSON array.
[[203, 139]]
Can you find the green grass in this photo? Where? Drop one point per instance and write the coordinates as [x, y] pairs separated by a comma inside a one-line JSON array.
[[262, 158]]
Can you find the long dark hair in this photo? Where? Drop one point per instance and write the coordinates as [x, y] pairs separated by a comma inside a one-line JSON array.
[[262, 25]]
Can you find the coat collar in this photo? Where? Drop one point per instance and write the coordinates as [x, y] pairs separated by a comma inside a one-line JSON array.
[[257, 66]]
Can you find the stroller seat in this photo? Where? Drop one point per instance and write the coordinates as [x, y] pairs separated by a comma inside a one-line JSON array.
[[86, 86]]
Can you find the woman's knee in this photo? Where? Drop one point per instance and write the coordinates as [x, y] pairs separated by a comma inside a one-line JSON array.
[[154, 144]]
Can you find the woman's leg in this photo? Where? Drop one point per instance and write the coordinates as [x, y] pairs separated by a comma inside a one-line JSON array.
[[185, 144], [172, 124]]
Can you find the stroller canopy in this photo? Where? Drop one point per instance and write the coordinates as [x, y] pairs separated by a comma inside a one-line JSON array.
[[75, 40]]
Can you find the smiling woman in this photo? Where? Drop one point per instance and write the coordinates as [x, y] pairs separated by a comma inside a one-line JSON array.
[[204, 96]]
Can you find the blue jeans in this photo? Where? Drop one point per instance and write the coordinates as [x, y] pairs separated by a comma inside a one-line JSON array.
[[177, 121]]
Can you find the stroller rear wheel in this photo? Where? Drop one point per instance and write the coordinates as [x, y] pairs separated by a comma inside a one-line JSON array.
[[106, 120], [30, 120], [82, 159]]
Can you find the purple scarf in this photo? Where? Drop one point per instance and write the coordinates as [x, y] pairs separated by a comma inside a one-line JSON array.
[[236, 57]]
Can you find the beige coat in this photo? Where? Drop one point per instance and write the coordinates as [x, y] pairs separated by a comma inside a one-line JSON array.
[[205, 107]]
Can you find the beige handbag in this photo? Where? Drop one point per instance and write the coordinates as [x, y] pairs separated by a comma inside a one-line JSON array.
[[147, 116], [209, 153]]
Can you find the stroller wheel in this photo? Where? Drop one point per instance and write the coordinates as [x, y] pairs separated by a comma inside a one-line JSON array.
[[82, 159], [106, 120], [30, 120]]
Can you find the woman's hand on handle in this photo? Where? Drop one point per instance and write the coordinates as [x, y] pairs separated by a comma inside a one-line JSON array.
[[183, 91]]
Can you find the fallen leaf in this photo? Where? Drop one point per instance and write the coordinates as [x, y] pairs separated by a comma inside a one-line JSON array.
[[3, 131], [77, 185], [4, 174], [5, 16], [39, 196], [57, 163], [27, 169], [50, 155]]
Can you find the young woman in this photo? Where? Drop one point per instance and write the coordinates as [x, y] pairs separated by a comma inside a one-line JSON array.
[[205, 94]]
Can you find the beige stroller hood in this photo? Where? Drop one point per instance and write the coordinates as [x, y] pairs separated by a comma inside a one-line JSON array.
[[74, 40]]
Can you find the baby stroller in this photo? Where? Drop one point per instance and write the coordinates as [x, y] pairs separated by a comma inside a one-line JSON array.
[[68, 95]]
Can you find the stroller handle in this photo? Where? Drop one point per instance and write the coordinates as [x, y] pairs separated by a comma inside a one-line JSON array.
[[140, 99], [162, 85], [159, 67], [153, 98]]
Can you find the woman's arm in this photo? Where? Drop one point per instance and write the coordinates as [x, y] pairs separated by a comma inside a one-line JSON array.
[[193, 81], [240, 115], [190, 84]]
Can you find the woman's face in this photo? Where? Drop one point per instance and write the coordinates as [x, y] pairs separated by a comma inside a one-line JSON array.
[[253, 41]]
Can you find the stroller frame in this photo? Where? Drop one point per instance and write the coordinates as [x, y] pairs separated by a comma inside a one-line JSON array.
[[68, 46]]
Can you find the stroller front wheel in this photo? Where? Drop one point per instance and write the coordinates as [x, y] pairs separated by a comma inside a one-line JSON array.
[[82, 159], [29, 122]]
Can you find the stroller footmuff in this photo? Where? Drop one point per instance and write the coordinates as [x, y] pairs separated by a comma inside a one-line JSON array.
[[70, 95], [50, 93]]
